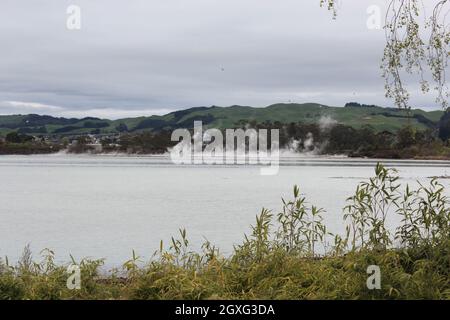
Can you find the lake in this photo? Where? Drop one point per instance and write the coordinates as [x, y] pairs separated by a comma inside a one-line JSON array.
[[105, 206]]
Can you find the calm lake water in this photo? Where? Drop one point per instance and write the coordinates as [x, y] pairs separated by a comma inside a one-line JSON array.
[[105, 206]]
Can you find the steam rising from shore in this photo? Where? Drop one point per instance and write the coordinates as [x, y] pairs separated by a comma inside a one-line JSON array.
[[308, 147]]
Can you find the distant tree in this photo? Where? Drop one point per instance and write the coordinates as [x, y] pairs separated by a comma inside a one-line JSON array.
[[406, 137], [425, 137], [122, 127], [81, 145], [384, 140], [65, 141], [342, 138], [14, 137], [444, 126], [352, 104], [366, 136], [356, 104]]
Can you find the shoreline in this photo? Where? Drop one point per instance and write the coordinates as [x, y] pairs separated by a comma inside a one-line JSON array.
[[284, 157], [298, 159]]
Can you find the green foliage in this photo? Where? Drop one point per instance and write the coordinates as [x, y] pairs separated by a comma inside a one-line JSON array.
[[369, 207], [301, 226], [145, 142], [27, 145], [365, 141], [14, 137], [406, 137], [444, 126]]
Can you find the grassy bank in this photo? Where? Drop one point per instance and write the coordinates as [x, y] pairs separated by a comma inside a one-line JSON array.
[[288, 255]]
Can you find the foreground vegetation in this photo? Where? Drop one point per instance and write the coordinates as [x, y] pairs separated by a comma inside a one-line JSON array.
[[288, 255]]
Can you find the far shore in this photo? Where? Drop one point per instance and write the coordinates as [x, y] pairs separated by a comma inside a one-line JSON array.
[[288, 155]]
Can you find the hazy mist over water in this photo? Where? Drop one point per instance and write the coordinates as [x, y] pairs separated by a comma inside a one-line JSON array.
[[105, 206]]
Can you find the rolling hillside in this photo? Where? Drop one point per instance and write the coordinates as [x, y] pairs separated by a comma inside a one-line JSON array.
[[223, 117]]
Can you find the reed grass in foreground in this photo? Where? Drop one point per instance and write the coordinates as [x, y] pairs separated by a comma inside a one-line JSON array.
[[288, 255]]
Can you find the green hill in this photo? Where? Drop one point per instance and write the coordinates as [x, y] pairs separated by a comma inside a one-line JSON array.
[[224, 117]]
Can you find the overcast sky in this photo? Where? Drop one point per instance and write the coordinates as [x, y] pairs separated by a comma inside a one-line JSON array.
[[143, 57]]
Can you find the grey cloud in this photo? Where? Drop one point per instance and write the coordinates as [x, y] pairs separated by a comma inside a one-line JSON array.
[[151, 56]]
